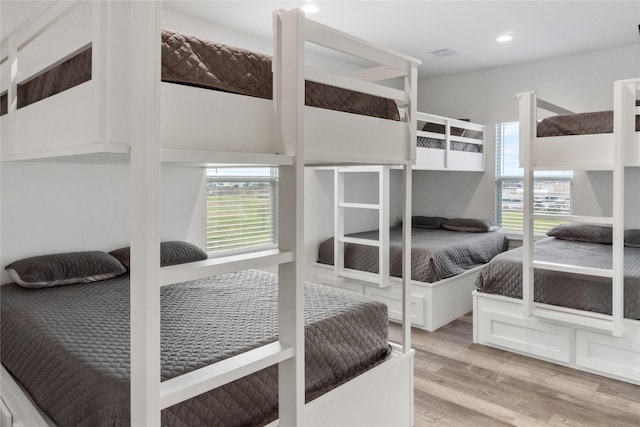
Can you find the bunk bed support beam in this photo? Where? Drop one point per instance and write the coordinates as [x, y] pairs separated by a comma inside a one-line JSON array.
[[527, 108], [145, 217], [289, 40], [10, 129]]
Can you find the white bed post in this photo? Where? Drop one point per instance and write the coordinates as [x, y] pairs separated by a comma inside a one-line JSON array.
[[447, 143], [289, 103], [527, 104], [383, 221], [338, 221], [101, 59], [623, 133], [9, 134], [145, 242], [410, 86]]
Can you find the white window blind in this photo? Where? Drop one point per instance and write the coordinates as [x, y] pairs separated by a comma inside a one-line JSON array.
[[552, 191], [241, 209]]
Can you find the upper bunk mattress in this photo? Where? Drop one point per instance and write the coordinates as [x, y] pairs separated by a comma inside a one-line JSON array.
[[503, 276], [579, 124], [192, 61], [436, 253], [69, 345]]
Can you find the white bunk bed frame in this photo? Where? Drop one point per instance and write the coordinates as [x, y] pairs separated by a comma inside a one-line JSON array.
[[287, 136], [602, 344], [448, 159], [432, 304]]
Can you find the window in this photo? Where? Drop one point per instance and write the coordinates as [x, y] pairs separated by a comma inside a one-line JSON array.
[[242, 206], [551, 190]]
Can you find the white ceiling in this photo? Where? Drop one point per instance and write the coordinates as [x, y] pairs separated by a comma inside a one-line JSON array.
[[541, 29]]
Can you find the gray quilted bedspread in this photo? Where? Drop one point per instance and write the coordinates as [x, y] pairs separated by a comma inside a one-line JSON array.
[[69, 345], [190, 60], [435, 255], [193, 61], [579, 124], [503, 276]]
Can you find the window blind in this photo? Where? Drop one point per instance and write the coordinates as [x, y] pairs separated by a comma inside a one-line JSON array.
[[241, 210]]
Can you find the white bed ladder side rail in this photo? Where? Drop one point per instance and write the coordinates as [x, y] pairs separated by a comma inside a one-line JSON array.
[[289, 66], [382, 243], [9, 131], [145, 214], [624, 131], [411, 87], [527, 132]]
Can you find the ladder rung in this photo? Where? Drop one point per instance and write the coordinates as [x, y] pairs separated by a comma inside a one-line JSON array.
[[359, 205], [367, 242], [583, 320], [576, 218], [186, 386], [576, 269], [227, 264]]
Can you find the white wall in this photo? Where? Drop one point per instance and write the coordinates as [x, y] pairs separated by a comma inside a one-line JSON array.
[[579, 82], [52, 207]]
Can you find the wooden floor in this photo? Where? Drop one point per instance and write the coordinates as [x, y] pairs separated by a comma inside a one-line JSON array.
[[458, 383]]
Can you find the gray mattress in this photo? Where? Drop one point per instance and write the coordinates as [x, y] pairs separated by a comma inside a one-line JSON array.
[[503, 276], [69, 345], [436, 253]]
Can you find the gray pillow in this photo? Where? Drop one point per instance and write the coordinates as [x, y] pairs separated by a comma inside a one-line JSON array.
[[472, 225], [171, 253], [632, 238], [427, 221], [582, 233], [64, 269]]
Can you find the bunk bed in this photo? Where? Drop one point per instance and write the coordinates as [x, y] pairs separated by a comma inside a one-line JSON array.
[[442, 143], [591, 323], [124, 113]]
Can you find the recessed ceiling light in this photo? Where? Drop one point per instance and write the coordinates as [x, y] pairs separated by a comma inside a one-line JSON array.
[[310, 8], [504, 38]]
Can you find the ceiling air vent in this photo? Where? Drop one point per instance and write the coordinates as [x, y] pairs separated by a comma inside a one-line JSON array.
[[444, 52]]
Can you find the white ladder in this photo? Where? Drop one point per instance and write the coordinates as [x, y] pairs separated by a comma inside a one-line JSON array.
[[148, 394], [624, 130], [382, 206]]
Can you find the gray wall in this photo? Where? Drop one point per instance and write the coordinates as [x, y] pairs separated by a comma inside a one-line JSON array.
[[53, 207], [578, 82]]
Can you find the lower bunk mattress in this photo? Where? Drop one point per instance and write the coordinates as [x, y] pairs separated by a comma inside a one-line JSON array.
[[68, 346], [436, 254], [503, 276]]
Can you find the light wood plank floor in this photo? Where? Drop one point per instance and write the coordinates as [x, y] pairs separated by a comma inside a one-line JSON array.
[[458, 383]]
